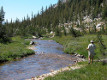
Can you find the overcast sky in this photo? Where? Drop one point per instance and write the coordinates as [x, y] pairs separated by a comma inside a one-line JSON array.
[[20, 8]]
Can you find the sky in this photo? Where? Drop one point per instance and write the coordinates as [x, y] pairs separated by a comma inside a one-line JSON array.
[[21, 8]]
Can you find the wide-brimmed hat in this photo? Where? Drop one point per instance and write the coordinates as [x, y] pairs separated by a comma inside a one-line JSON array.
[[91, 41]]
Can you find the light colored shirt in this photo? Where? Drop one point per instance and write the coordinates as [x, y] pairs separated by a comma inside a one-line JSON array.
[[91, 48]]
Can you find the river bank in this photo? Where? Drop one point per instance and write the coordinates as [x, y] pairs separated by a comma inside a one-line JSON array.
[[16, 49], [55, 72], [49, 57], [95, 71], [79, 44]]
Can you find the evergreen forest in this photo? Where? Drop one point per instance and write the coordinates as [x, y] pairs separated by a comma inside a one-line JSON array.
[[57, 18]]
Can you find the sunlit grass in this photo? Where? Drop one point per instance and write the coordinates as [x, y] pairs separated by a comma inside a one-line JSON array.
[[14, 50], [79, 44], [95, 71]]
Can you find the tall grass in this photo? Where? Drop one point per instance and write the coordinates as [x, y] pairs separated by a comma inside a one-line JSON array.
[[14, 50]]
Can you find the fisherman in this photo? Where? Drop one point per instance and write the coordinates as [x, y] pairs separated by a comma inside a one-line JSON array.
[[91, 53]]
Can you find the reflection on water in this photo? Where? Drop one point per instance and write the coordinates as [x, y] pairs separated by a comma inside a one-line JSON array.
[[49, 56]]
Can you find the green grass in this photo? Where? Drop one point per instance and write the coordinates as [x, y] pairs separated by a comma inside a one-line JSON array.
[[95, 71], [79, 44], [14, 50]]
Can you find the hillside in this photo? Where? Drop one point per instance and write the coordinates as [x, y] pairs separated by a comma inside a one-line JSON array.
[[82, 15]]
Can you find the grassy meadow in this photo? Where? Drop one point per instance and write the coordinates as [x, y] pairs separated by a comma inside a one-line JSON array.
[[95, 71], [79, 44], [14, 50]]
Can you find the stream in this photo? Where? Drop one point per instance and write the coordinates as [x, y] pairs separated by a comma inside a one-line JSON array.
[[48, 56]]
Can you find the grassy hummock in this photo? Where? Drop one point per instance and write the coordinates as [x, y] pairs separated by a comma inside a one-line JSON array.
[[14, 50]]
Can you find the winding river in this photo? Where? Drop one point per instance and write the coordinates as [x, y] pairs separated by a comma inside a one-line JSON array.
[[48, 56]]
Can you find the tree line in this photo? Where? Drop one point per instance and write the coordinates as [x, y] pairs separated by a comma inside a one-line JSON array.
[[50, 17]]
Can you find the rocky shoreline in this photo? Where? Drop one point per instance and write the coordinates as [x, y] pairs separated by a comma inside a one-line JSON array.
[[54, 72]]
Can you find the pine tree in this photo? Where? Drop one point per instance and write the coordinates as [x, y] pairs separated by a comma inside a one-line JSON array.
[[2, 13], [49, 18], [3, 36]]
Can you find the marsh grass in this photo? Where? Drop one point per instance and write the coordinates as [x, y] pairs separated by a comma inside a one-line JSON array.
[[14, 50]]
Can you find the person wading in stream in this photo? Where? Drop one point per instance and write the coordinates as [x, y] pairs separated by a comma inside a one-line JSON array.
[[91, 53]]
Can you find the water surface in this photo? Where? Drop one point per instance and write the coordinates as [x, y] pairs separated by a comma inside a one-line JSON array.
[[49, 56]]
